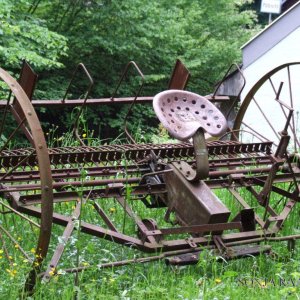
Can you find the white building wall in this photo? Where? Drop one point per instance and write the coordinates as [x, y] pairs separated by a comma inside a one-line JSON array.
[[287, 50]]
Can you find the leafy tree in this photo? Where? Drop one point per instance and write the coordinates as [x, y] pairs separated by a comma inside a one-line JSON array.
[[24, 36], [106, 34]]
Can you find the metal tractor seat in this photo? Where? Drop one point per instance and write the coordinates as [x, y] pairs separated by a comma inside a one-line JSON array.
[[188, 115]]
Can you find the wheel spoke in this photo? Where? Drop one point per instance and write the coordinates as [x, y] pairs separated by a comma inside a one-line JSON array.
[[5, 249], [275, 117], [14, 241], [265, 117], [19, 214], [12, 135], [4, 117]]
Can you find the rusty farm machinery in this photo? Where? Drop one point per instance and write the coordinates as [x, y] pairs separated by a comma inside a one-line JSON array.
[[170, 196]]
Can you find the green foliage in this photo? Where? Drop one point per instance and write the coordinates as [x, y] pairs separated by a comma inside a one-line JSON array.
[[104, 35], [24, 36], [206, 35]]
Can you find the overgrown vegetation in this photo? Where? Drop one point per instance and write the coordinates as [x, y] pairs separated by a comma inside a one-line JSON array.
[[106, 34], [274, 276], [56, 35]]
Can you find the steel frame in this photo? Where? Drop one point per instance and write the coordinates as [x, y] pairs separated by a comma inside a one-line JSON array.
[[33, 180]]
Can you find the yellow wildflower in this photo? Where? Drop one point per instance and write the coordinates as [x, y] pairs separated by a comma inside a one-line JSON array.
[[218, 280], [112, 210], [52, 272], [32, 250], [84, 135], [17, 246], [12, 273], [263, 284], [1, 251]]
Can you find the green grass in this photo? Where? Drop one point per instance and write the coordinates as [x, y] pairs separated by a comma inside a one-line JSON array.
[[275, 276], [255, 277]]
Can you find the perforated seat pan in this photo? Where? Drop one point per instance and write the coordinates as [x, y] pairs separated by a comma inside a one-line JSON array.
[[182, 113]]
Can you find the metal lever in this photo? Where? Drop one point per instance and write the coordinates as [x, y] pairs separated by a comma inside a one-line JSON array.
[[201, 155]]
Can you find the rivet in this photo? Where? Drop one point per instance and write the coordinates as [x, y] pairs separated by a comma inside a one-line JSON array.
[[29, 113], [40, 146]]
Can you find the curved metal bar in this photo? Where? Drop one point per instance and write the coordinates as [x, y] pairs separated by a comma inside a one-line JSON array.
[[289, 107], [39, 143], [201, 155], [131, 63], [241, 113], [91, 81], [251, 93], [124, 74], [240, 91], [293, 124], [82, 66]]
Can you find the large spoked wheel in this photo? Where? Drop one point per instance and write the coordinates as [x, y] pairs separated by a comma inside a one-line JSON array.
[[24, 169], [265, 109]]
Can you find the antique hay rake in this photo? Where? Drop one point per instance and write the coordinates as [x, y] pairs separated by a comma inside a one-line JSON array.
[[157, 198]]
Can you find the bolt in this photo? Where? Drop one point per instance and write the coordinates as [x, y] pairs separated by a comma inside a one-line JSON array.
[[29, 113], [40, 146]]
